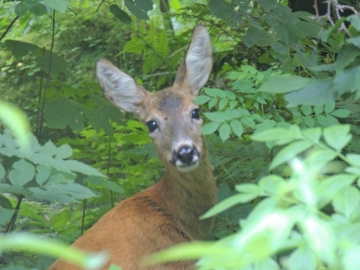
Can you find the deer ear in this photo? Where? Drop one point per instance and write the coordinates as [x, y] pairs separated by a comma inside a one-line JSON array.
[[196, 68], [120, 88]]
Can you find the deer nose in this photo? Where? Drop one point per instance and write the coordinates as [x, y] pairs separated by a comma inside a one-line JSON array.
[[185, 154]]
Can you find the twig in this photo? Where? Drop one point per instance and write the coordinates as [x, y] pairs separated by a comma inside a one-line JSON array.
[[48, 77], [8, 28], [337, 9], [11, 224], [99, 5]]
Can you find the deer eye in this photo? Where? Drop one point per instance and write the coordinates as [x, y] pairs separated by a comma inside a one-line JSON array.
[[195, 114], [152, 126]]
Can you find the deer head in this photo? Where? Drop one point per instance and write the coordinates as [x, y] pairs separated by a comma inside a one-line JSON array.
[[172, 118]]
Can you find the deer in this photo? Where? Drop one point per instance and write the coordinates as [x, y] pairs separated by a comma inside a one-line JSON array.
[[168, 212]]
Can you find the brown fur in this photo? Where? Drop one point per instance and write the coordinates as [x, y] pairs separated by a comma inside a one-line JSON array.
[[167, 213]]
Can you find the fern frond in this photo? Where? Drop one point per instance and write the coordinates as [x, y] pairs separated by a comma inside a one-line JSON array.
[[152, 34], [135, 45], [148, 63], [162, 47]]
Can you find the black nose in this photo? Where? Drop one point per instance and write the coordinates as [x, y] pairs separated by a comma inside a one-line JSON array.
[[185, 155]]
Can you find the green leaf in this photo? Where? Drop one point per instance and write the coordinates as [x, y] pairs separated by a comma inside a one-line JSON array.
[[346, 201], [185, 251], [306, 109], [346, 56], [227, 203], [351, 258], [120, 14], [139, 13], [58, 5], [221, 9], [212, 102], [230, 95], [58, 64], [317, 232], [318, 109], [272, 185], [332, 120], [63, 192], [63, 151], [347, 80], [224, 131], [250, 189], [341, 113], [278, 135], [112, 186], [248, 121], [22, 173], [29, 243], [302, 258], [49, 148], [64, 112], [21, 9], [233, 104], [43, 173], [5, 188], [218, 116], [329, 107], [258, 37], [202, 99], [215, 92], [309, 121], [145, 5], [289, 152], [77, 166], [323, 120], [284, 84], [97, 119], [329, 187], [353, 159], [337, 136], [354, 41], [37, 8], [222, 103], [280, 48], [2, 171], [315, 93], [5, 215], [313, 134], [20, 49], [210, 128], [237, 127], [267, 5]]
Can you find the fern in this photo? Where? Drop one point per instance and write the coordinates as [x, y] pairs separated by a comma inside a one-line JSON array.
[[135, 46], [147, 150], [163, 45], [148, 63]]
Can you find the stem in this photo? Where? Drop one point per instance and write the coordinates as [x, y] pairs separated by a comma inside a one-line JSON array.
[[8, 28], [39, 110], [11, 225], [48, 77], [83, 217], [108, 170]]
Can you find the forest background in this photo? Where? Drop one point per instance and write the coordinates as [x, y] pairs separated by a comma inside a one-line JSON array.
[[281, 115]]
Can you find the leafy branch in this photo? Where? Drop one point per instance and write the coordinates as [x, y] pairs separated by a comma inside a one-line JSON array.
[[337, 9]]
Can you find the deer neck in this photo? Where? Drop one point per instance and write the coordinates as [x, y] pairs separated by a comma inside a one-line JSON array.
[[189, 195]]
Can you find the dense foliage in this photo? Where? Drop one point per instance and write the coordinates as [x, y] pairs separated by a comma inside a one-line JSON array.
[[281, 117]]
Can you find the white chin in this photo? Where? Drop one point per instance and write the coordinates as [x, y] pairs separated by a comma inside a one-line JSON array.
[[187, 168]]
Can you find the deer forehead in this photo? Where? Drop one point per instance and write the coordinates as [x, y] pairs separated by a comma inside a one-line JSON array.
[[170, 103]]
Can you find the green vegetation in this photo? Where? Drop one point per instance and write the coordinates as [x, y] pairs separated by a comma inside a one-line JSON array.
[[281, 117]]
